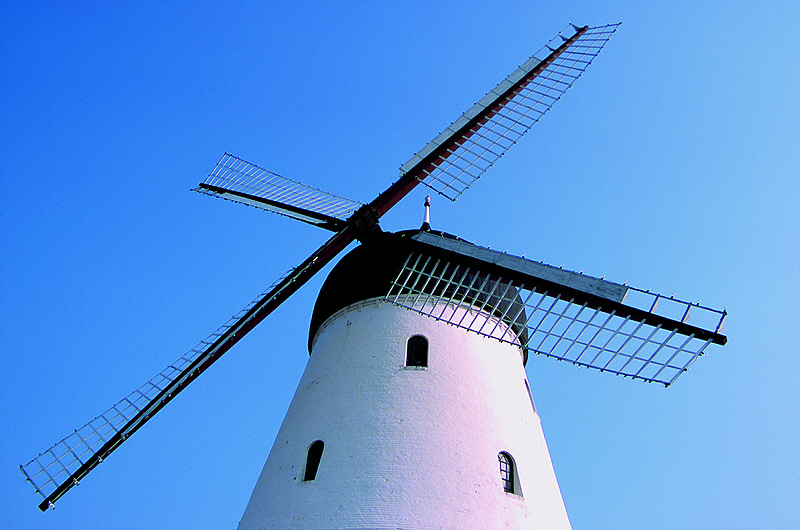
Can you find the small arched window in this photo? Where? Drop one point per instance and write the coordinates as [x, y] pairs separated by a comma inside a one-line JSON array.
[[508, 474], [312, 460], [417, 351]]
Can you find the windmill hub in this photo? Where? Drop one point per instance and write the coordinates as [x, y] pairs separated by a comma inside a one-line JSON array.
[[366, 222]]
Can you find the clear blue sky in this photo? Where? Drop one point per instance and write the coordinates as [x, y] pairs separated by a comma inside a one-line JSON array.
[[672, 164]]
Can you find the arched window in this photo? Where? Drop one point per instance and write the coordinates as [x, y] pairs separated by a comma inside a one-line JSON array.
[[417, 351], [508, 474], [312, 460]]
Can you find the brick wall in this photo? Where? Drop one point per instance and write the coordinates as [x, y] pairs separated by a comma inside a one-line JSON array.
[[407, 447]]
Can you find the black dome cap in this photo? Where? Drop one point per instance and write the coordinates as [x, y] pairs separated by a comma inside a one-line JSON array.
[[368, 272]]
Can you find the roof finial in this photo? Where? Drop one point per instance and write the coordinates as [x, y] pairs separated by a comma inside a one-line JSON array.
[[426, 223]]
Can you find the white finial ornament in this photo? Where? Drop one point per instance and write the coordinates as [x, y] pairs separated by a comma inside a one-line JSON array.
[[426, 222]]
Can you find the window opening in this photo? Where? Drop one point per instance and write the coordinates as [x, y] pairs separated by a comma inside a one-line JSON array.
[[312, 460], [417, 351], [506, 472]]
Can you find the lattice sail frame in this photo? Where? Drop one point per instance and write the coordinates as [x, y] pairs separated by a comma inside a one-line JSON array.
[[234, 174], [51, 469], [604, 337], [488, 130]]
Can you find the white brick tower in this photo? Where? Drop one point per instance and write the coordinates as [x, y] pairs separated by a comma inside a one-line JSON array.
[[404, 421]]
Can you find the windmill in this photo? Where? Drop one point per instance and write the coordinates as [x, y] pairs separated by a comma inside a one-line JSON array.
[[527, 305]]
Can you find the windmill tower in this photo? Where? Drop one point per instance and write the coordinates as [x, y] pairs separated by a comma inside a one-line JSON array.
[[414, 409], [405, 421]]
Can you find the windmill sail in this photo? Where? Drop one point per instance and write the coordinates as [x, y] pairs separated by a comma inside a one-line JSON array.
[[60, 468], [570, 320], [457, 157], [525, 269], [235, 180]]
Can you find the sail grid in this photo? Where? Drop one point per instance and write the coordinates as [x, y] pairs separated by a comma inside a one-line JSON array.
[[638, 341], [232, 174], [460, 155], [59, 468]]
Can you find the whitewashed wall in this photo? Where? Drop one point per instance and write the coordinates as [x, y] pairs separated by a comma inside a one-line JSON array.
[[407, 448]]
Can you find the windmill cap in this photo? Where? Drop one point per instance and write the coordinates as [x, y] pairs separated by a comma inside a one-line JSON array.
[[369, 270]]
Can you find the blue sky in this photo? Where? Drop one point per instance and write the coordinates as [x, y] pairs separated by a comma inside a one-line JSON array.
[[672, 164]]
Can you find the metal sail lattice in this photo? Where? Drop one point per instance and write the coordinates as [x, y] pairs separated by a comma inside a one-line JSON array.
[[641, 341], [475, 141], [57, 465], [237, 175]]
